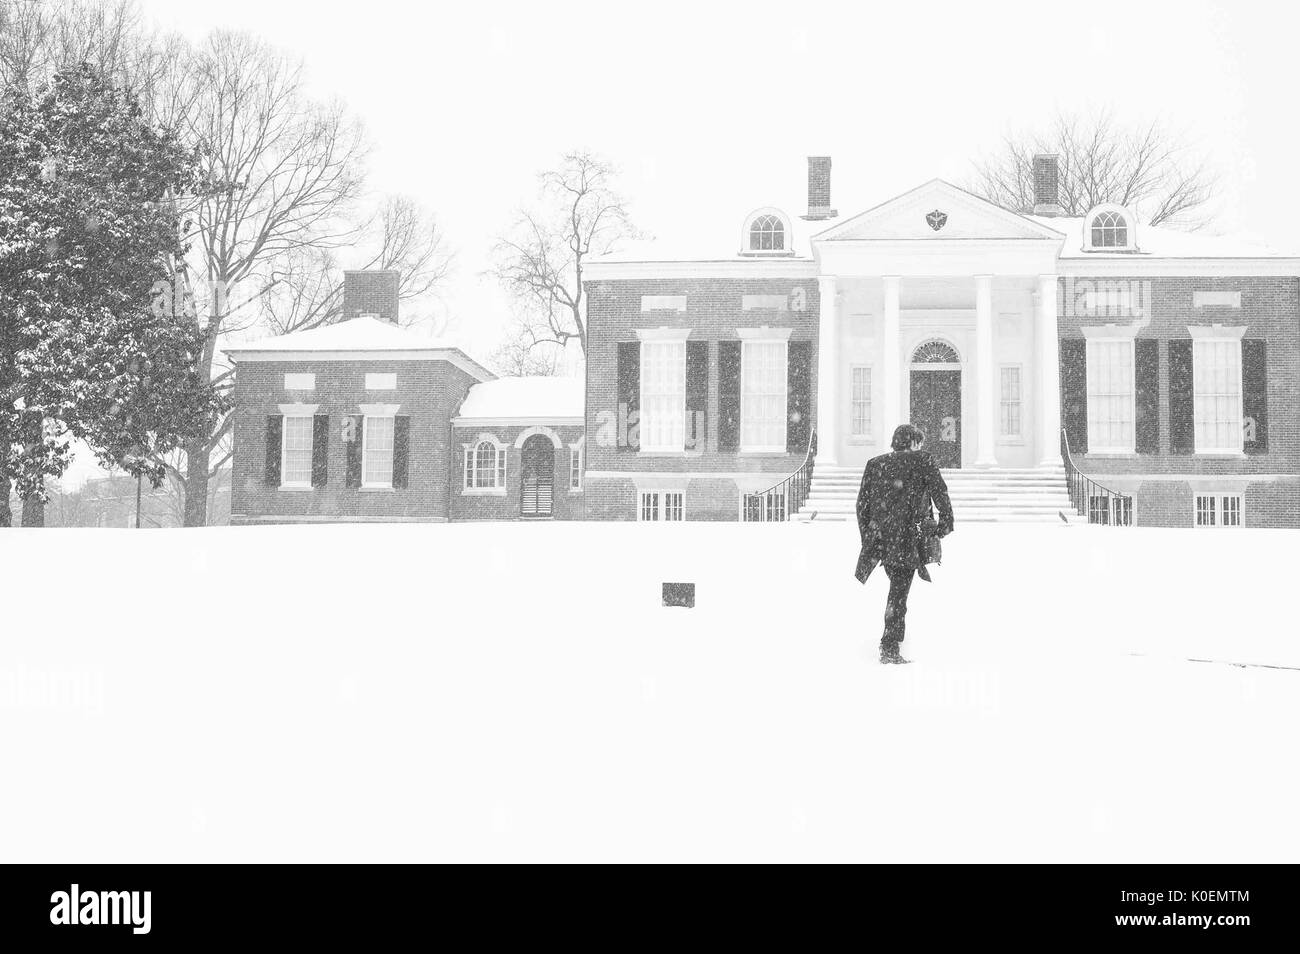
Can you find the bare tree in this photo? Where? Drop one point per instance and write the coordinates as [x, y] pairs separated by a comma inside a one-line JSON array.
[[1143, 167], [307, 290], [540, 260], [520, 354]]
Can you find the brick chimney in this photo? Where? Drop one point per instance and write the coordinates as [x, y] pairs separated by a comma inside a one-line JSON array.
[[1047, 180], [819, 189], [371, 292]]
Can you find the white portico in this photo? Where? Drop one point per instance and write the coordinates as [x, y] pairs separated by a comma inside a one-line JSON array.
[[939, 308]]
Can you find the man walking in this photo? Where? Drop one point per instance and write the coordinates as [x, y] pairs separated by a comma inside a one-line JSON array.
[[897, 490]]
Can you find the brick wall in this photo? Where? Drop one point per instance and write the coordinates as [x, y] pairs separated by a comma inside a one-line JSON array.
[[429, 391], [713, 313], [566, 504], [1270, 309], [371, 292]]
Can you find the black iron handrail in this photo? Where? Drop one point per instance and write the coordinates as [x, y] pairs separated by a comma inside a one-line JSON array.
[[1091, 499], [793, 490]]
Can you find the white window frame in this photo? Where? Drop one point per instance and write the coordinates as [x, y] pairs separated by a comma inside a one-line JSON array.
[[749, 341], [648, 423], [575, 468], [1218, 508], [661, 505], [767, 508], [1093, 340], [1199, 340], [865, 435], [310, 418], [1017, 436], [470, 474], [381, 381], [367, 433], [787, 241], [1130, 229]]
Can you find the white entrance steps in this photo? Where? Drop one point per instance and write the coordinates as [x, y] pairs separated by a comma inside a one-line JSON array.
[[979, 495]]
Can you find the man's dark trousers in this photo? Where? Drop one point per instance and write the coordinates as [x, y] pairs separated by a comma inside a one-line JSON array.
[[900, 584]]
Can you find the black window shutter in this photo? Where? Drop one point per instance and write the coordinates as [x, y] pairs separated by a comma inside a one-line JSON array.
[[1074, 392], [320, 450], [798, 396], [729, 395], [1182, 424], [697, 394], [401, 449], [1254, 393], [1146, 357], [353, 434], [629, 394], [274, 442]]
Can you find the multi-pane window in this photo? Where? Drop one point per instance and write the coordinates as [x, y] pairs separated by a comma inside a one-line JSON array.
[[662, 506], [1109, 230], [663, 395], [1010, 405], [1111, 408], [860, 411], [575, 467], [485, 466], [377, 452], [1218, 510], [767, 234], [763, 396], [295, 468], [1216, 385], [764, 507], [1108, 509]]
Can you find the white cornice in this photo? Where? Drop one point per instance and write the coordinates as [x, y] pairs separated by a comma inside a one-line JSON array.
[[724, 268], [516, 421], [452, 356], [1180, 267]]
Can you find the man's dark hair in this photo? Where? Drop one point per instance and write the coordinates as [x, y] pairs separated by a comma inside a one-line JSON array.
[[905, 435]]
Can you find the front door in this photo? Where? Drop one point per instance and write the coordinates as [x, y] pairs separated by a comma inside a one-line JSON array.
[[936, 410], [537, 477]]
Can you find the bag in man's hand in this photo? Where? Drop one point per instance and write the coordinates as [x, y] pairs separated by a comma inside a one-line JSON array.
[[930, 547]]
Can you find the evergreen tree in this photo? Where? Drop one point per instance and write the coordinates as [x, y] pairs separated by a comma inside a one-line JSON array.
[[89, 232]]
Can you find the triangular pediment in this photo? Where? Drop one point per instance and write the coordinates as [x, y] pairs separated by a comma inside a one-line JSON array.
[[936, 211]]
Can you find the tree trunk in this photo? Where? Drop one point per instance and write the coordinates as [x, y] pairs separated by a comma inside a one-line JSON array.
[[6, 515], [33, 511], [196, 484]]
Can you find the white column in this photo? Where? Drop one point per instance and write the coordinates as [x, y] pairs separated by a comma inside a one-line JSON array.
[[985, 455], [891, 364], [828, 362], [1049, 374]]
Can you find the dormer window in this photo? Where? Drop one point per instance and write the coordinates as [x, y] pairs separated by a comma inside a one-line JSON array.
[[767, 232], [1109, 228]]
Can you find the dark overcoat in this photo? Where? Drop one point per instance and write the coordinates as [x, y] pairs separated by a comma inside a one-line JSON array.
[[897, 490]]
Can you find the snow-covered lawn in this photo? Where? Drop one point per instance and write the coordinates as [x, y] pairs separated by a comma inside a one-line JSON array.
[[505, 691]]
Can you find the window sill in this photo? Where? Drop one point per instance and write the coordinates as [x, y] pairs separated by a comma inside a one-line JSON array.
[[377, 490], [296, 488], [1224, 453], [763, 453], [483, 491], [575, 490]]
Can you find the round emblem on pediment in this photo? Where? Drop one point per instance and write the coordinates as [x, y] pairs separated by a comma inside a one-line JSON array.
[[936, 219]]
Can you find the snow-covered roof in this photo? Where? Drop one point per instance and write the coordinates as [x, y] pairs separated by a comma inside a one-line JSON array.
[[1154, 241], [355, 334], [548, 398], [720, 239], [361, 338]]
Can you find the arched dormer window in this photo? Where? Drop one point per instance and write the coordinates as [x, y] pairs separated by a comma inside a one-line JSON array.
[[485, 465], [1109, 228], [767, 232]]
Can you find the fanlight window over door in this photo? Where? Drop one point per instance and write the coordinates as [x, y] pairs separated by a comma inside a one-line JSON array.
[[935, 352], [767, 234]]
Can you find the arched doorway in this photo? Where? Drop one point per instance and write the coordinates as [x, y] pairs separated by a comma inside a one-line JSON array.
[[537, 477], [935, 389]]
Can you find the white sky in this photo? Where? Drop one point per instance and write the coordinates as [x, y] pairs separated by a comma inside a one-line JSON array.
[[711, 109]]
